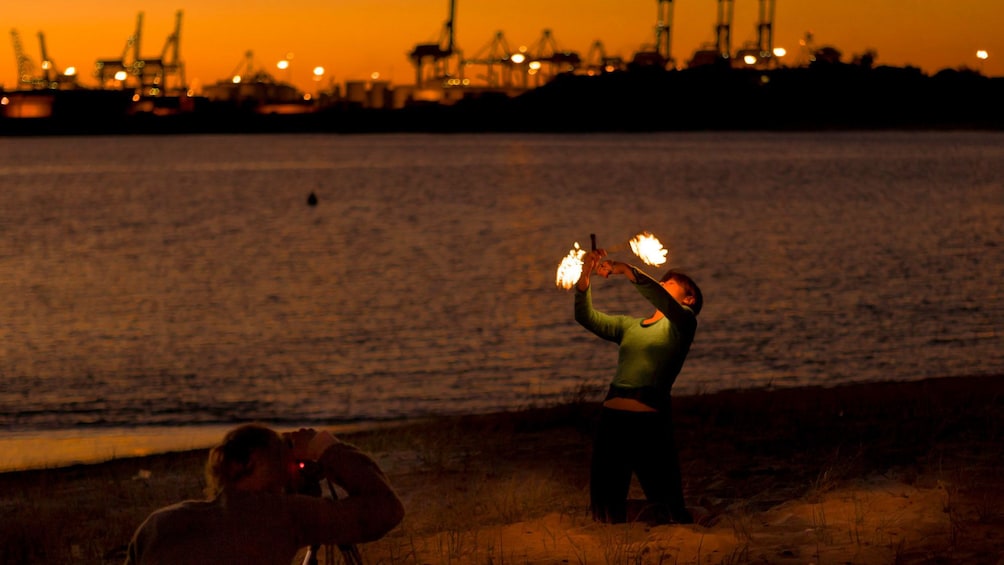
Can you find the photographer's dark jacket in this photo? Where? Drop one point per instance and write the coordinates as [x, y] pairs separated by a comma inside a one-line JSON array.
[[258, 527]]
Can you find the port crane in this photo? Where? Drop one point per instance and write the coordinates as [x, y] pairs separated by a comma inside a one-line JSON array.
[[598, 62], [660, 55], [25, 66], [156, 73], [498, 60], [432, 60], [720, 52], [50, 76], [251, 87], [547, 60], [246, 72], [107, 71], [148, 77], [761, 55]]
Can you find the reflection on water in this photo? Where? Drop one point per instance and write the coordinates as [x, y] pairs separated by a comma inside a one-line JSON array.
[[28, 450], [53, 448], [185, 281]]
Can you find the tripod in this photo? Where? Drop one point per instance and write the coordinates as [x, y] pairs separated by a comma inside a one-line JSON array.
[[350, 553]]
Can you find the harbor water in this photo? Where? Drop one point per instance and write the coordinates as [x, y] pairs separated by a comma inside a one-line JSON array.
[[156, 286]]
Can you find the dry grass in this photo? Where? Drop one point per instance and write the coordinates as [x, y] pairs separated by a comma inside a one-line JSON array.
[[763, 468]]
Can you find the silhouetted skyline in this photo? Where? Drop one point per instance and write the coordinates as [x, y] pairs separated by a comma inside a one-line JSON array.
[[354, 39]]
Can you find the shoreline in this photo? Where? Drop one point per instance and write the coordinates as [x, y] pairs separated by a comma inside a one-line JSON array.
[[31, 450]]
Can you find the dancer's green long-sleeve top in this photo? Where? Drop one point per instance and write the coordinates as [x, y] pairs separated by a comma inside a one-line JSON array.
[[649, 355]]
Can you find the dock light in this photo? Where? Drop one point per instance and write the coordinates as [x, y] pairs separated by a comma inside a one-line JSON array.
[[283, 64], [121, 75], [518, 58], [780, 51], [4, 101], [236, 79], [749, 59], [70, 71], [318, 73], [982, 55], [375, 76], [535, 65]]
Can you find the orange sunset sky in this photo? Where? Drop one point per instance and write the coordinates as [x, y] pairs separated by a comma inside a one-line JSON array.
[[352, 39]]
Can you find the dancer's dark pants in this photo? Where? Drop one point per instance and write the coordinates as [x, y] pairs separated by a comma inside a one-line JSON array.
[[641, 443]]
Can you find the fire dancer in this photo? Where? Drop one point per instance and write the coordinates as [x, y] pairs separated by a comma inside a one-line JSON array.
[[252, 516], [635, 429]]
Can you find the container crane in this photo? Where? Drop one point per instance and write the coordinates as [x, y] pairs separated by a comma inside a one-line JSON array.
[[546, 53], [147, 76], [720, 53], [432, 60], [49, 73], [761, 55], [660, 55], [50, 76], [155, 73], [497, 59], [247, 73], [249, 86], [25, 66], [598, 62], [124, 69], [53, 77]]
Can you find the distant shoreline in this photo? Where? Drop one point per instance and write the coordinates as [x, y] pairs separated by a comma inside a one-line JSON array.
[[834, 97]]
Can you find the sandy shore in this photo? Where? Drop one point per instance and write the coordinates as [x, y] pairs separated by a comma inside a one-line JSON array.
[[907, 472]]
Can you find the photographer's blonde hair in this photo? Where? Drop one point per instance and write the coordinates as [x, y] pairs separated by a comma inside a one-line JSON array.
[[230, 461]]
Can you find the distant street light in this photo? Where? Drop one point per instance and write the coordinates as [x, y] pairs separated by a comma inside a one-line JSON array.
[[286, 64], [982, 55]]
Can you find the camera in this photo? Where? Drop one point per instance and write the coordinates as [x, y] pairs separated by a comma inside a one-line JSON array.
[[307, 478]]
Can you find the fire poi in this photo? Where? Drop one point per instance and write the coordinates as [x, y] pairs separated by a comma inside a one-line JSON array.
[[646, 246], [570, 268], [649, 249]]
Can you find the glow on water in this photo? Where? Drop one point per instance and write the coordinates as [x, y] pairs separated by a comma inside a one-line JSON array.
[[184, 281]]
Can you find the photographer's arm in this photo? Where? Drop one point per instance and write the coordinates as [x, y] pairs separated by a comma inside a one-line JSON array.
[[371, 508]]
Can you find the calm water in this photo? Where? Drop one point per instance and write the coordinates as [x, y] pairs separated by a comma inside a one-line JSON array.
[[184, 281]]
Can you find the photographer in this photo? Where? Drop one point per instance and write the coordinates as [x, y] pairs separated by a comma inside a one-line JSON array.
[[251, 517]]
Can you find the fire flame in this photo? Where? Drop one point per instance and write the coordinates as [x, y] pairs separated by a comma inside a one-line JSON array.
[[649, 249], [570, 268]]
